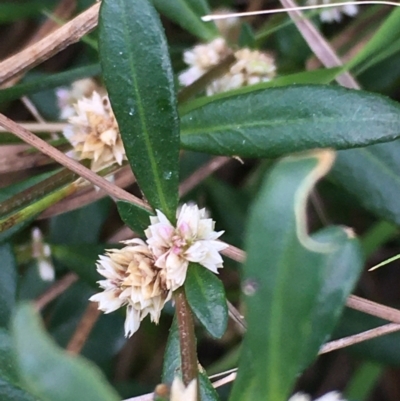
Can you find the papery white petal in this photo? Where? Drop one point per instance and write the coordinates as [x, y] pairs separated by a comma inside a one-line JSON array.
[[108, 301], [132, 321], [181, 393]]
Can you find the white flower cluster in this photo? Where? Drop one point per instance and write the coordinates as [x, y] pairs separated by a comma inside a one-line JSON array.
[[67, 97], [143, 276], [334, 14], [94, 134], [250, 67], [332, 396]]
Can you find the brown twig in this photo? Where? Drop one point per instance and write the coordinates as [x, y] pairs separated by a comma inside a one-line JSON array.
[[320, 47], [358, 338], [85, 326], [42, 50], [123, 179], [71, 164], [187, 338], [202, 173], [55, 290]]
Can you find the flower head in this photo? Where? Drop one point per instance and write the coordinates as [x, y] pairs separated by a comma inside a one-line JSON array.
[[67, 97], [251, 66], [192, 240], [334, 14], [94, 133], [132, 279], [332, 396]]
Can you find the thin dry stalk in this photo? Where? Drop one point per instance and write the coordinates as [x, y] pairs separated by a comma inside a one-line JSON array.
[[85, 326], [52, 44], [71, 164], [55, 290], [202, 173], [320, 47], [123, 179], [361, 337], [39, 127]]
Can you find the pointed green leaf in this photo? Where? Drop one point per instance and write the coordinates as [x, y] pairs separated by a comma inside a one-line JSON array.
[[206, 296], [371, 175], [139, 78], [134, 216], [49, 82], [343, 269], [283, 280], [188, 13], [275, 122], [50, 373], [383, 38]]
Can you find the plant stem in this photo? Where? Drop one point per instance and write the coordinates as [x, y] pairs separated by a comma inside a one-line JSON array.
[[187, 337]]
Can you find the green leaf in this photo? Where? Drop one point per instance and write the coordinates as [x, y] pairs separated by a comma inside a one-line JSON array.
[[50, 373], [343, 269], [188, 13], [8, 283], [172, 356], [274, 122], [371, 175], [283, 280], [387, 34], [134, 216], [11, 11], [139, 78], [49, 82], [207, 391], [206, 296], [321, 76]]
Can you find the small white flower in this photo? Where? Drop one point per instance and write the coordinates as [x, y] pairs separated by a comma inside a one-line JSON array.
[[66, 97], [181, 393], [334, 14], [332, 396], [131, 279], [42, 253], [94, 133], [228, 27], [192, 240], [202, 58], [251, 67]]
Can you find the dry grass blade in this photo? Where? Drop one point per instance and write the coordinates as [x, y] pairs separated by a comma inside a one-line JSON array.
[[55, 290], [71, 164], [321, 48], [85, 326], [40, 127], [123, 179], [202, 173], [374, 309], [64, 36], [358, 338]]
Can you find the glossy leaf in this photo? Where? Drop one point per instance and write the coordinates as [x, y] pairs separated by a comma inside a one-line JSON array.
[[8, 283], [339, 278], [284, 278], [188, 13], [206, 296], [274, 122], [135, 217], [321, 76], [49, 82], [50, 373], [142, 95], [371, 175]]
